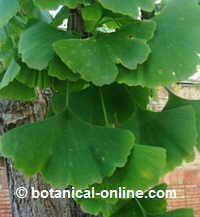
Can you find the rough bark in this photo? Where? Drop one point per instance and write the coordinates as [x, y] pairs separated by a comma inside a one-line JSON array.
[[13, 114]]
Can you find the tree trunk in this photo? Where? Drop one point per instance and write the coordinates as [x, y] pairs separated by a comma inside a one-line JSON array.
[[13, 114]]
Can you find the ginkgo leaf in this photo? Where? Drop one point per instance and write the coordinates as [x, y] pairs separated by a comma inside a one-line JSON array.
[[59, 70], [141, 207], [8, 9], [175, 50], [131, 8], [33, 78], [74, 3], [87, 104], [89, 56], [35, 44], [17, 91], [120, 102], [61, 16], [155, 128], [50, 4], [53, 4], [133, 208], [176, 102], [58, 147], [141, 171], [148, 207], [6, 49], [11, 73], [176, 213]]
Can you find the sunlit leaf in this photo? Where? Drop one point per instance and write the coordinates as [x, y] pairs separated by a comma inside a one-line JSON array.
[[126, 46], [175, 50], [128, 7]]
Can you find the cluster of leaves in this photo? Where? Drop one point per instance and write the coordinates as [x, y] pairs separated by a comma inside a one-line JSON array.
[[98, 131]]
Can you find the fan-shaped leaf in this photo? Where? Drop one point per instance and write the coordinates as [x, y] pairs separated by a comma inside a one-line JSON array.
[[129, 7], [8, 9], [176, 102], [175, 50], [6, 50], [173, 130], [39, 37], [88, 57], [176, 213], [59, 70], [11, 73], [17, 91], [74, 3], [50, 4], [141, 172], [59, 147], [88, 105], [33, 78], [135, 209], [141, 207]]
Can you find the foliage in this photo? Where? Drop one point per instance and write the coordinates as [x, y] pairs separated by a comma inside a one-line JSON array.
[[99, 132]]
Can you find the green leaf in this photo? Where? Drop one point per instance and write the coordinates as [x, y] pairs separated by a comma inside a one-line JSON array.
[[173, 130], [35, 44], [17, 91], [67, 150], [147, 207], [60, 16], [58, 103], [92, 12], [11, 73], [50, 4], [126, 46], [155, 205], [171, 58], [176, 102], [53, 4], [129, 7], [60, 71], [6, 49], [91, 15], [32, 12], [33, 78], [133, 209], [74, 3], [120, 103], [141, 172], [140, 207], [177, 213], [8, 9]]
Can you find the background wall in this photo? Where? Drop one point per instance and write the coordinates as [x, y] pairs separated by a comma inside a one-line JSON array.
[[5, 209]]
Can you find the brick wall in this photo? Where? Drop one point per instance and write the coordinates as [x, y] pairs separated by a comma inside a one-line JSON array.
[[4, 194], [186, 181]]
